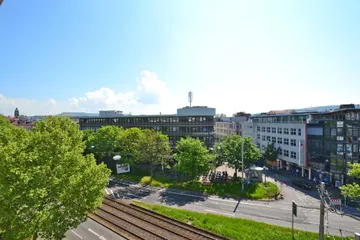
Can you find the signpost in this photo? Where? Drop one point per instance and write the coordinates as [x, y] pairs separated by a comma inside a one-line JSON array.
[[294, 213]]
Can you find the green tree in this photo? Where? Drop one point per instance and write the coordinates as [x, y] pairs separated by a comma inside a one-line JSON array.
[[47, 185], [154, 149], [231, 148], [106, 141], [352, 189], [88, 135], [271, 152], [130, 149], [193, 157], [218, 156]]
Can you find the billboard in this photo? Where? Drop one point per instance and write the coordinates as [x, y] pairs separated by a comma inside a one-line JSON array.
[[122, 168]]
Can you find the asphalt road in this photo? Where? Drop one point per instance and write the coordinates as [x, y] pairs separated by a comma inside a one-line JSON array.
[[273, 212], [91, 230]]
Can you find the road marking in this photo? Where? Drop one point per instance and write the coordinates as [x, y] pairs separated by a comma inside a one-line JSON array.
[[111, 191], [76, 234], [106, 190], [224, 200], [255, 204], [212, 211], [99, 236]]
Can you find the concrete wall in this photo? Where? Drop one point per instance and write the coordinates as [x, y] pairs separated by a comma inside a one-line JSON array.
[[204, 111]]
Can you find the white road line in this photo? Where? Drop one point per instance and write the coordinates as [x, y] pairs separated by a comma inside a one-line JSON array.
[[224, 200], [93, 232], [255, 204], [107, 192], [212, 211], [76, 234]]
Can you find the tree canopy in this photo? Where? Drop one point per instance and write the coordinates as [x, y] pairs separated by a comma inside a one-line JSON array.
[[47, 185], [271, 152], [231, 151], [193, 157], [352, 189], [154, 148]]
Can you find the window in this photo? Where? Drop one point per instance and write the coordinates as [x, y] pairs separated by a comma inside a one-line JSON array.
[[268, 138], [258, 136], [286, 153], [340, 148], [355, 148], [263, 137], [293, 154], [263, 129], [299, 131], [273, 130], [293, 142], [286, 141], [280, 130], [258, 128], [273, 139], [268, 129], [293, 131], [286, 131], [279, 140], [280, 151], [340, 131]]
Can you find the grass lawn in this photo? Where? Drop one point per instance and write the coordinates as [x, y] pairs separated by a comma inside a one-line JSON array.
[[232, 228], [253, 191]]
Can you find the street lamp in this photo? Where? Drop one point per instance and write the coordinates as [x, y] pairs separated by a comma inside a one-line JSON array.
[[242, 165]]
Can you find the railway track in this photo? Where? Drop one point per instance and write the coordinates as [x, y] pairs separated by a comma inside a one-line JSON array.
[[136, 223]]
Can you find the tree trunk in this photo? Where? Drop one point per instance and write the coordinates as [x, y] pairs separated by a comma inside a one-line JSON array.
[[151, 171], [34, 236], [236, 170]]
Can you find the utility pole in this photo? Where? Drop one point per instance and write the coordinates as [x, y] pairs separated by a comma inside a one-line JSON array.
[[322, 211], [242, 165]]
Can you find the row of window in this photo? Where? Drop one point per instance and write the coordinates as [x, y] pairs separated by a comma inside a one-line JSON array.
[[280, 130], [279, 140], [146, 120], [286, 153]]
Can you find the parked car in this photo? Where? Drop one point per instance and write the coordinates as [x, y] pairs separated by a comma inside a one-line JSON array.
[[301, 184]]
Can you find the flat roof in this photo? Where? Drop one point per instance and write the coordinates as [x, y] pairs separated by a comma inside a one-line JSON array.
[[282, 115], [163, 115]]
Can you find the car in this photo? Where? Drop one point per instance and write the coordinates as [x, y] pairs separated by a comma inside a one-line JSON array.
[[301, 184]]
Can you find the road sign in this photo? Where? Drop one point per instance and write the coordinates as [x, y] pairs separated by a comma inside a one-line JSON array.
[[294, 209], [335, 201]]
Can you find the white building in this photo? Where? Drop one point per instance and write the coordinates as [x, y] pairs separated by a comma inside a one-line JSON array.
[[287, 130], [196, 111]]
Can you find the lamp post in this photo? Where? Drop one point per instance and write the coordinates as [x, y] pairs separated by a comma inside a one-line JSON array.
[[242, 165]]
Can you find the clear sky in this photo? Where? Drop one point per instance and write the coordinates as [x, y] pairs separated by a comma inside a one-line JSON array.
[[144, 56]]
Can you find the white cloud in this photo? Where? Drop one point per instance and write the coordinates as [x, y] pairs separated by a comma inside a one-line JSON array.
[[148, 98], [52, 101]]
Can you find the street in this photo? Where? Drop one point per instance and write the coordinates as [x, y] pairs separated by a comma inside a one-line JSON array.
[[91, 230], [272, 212]]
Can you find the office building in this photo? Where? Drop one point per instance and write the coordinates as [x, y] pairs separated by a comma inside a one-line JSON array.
[[175, 126]]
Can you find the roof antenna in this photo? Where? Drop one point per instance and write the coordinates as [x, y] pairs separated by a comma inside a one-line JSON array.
[[190, 97]]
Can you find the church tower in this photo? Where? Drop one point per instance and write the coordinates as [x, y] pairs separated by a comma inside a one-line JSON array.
[[16, 113]]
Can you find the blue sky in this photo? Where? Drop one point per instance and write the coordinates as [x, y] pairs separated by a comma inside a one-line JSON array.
[[144, 56]]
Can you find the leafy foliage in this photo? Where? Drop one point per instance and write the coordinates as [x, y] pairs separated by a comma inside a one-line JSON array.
[[271, 152], [352, 189], [193, 157], [155, 148], [231, 150], [47, 186]]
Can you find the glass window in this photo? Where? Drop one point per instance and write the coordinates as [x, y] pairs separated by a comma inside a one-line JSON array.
[[268, 129], [286, 141], [279, 140], [273, 130], [349, 132], [258, 128], [293, 154], [293, 131], [273, 139], [286, 131], [340, 131], [263, 129], [299, 131], [340, 147], [280, 151], [355, 132], [279, 130], [258, 136], [268, 138], [293, 142], [333, 132], [263, 137], [348, 147], [355, 148], [286, 153]]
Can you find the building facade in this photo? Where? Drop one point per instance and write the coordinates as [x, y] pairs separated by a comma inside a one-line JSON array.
[[333, 139], [196, 111], [175, 126], [287, 130]]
